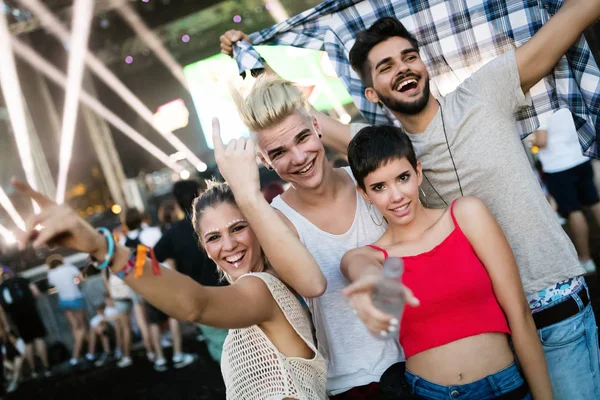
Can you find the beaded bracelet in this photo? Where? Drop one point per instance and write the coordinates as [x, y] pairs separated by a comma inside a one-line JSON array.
[[110, 243]]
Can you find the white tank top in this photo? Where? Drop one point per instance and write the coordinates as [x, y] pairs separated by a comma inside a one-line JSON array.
[[356, 357], [253, 368]]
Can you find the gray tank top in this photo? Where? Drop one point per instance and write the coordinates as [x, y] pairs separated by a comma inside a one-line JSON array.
[[355, 356]]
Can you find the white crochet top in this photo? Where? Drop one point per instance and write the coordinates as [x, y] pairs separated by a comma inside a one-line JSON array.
[[253, 368]]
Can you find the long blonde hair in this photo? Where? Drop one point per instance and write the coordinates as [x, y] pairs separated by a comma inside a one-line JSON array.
[[270, 100]]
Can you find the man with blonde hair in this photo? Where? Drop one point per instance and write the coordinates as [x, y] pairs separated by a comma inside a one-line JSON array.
[[323, 208]]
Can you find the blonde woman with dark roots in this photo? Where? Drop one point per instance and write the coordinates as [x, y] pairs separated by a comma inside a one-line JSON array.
[[269, 352]]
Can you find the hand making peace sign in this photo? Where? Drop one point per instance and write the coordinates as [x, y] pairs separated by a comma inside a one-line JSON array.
[[237, 163]]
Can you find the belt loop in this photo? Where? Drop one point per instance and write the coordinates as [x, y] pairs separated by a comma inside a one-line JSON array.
[[413, 382], [492, 383], [577, 298]]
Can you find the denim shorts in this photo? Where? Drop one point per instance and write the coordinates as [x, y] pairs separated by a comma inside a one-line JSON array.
[[72, 304], [124, 305], [490, 387], [572, 353]]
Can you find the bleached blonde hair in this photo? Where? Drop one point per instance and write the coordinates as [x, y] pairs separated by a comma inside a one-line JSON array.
[[270, 100]]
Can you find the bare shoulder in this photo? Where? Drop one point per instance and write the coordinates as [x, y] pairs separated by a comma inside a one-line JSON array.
[[471, 212], [254, 289], [251, 283]]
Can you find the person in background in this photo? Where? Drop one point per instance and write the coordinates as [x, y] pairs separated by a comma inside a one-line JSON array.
[[179, 246], [106, 314], [272, 190], [12, 350], [18, 300], [569, 177], [138, 231], [11, 357], [168, 213], [121, 295], [141, 233], [63, 277]]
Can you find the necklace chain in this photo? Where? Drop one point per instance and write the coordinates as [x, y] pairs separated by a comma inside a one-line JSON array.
[[451, 158]]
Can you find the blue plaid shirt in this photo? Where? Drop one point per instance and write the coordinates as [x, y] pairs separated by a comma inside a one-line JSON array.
[[456, 38]]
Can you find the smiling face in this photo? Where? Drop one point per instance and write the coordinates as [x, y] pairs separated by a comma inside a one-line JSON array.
[[394, 189], [293, 149], [230, 241], [400, 78]]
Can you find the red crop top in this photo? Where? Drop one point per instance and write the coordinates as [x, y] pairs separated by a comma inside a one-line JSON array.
[[455, 292]]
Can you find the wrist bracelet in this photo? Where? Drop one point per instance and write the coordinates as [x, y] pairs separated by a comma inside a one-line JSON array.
[[110, 243], [136, 262], [127, 268]]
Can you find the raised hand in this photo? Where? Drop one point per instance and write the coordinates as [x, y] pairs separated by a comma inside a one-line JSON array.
[[229, 38], [60, 225], [237, 163]]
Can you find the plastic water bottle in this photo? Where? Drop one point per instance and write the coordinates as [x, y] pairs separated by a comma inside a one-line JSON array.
[[388, 295]]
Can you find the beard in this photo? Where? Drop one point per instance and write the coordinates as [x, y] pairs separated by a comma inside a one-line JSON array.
[[407, 107]]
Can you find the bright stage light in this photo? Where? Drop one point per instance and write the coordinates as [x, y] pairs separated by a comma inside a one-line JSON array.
[[202, 167], [133, 19], [13, 98], [172, 115], [49, 70], [82, 19], [116, 209], [8, 236], [185, 174], [53, 25], [10, 209]]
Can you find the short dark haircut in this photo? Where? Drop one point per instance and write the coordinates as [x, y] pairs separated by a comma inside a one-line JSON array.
[[375, 146], [133, 219], [382, 30], [185, 192]]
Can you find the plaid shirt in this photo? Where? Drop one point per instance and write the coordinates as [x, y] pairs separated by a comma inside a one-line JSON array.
[[456, 38]]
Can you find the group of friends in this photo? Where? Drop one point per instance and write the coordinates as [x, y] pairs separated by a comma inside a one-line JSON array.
[[496, 302]]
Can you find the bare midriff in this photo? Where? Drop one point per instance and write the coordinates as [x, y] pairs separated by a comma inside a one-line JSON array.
[[463, 361]]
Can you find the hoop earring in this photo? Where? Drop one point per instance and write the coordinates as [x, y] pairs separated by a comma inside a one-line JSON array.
[[424, 196], [370, 208]]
